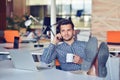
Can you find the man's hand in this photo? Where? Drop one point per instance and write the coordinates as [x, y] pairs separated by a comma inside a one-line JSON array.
[[77, 59], [57, 38]]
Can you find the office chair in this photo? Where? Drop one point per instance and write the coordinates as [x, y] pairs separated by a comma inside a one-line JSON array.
[[57, 64], [79, 13], [113, 37], [10, 34], [47, 23]]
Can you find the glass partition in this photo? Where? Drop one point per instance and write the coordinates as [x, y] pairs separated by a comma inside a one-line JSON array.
[[78, 10]]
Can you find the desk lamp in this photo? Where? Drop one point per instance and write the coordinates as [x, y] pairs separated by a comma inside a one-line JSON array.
[[28, 23]]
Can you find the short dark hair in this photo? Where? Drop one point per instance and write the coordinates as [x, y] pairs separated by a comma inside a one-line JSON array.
[[64, 22]]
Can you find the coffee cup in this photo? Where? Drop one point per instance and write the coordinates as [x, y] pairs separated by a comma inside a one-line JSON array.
[[16, 42], [69, 57]]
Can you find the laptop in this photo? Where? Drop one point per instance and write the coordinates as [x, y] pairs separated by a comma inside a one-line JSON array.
[[23, 59]]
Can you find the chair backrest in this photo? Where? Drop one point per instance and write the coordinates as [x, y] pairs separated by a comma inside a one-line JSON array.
[[57, 63], [10, 34], [84, 35], [113, 37]]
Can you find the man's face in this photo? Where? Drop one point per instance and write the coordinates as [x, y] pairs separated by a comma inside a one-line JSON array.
[[67, 32]]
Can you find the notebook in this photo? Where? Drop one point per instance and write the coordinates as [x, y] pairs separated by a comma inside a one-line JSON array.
[[23, 59]]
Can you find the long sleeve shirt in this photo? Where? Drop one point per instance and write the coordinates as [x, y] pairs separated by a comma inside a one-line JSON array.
[[60, 51]]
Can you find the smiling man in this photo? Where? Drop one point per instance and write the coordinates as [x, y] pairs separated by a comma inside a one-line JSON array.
[[84, 53]]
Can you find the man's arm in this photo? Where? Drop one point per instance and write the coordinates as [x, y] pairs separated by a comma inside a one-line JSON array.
[[49, 54]]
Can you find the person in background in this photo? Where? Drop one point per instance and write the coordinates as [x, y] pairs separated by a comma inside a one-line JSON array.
[[86, 54]]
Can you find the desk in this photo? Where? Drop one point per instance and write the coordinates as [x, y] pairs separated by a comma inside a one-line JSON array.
[[27, 46], [35, 51], [4, 53], [114, 50], [7, 72]]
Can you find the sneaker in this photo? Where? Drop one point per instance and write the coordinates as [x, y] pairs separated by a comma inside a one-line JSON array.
[[103, 55]]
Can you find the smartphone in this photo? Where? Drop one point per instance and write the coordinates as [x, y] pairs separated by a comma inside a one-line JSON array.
[[60, 39]]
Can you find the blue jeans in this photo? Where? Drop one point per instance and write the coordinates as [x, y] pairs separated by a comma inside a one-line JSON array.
[[91, 51]]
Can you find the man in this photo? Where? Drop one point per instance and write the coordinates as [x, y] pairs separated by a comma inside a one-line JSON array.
[[85, 53]]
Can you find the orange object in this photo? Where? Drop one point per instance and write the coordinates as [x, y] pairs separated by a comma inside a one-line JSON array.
[[113, 36], [10, 34], [57, 63]]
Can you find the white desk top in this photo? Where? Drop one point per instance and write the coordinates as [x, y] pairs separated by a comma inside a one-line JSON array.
[[7, 72], [27, 46]]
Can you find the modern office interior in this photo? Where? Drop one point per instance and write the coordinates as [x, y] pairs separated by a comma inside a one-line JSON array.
[[32, 23]]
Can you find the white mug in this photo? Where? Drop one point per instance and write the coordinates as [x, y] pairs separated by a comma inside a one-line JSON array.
[[69, 57]]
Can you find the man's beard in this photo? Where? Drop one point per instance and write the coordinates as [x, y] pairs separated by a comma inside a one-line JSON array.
[[68, 39]]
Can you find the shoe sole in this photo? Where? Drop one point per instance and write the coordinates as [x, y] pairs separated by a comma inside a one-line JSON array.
[[103, 55]]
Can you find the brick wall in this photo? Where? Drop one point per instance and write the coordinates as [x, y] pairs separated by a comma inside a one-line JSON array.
[[105, 17]]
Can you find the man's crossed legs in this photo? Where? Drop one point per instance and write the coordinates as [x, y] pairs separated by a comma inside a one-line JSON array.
[[96, 55]]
